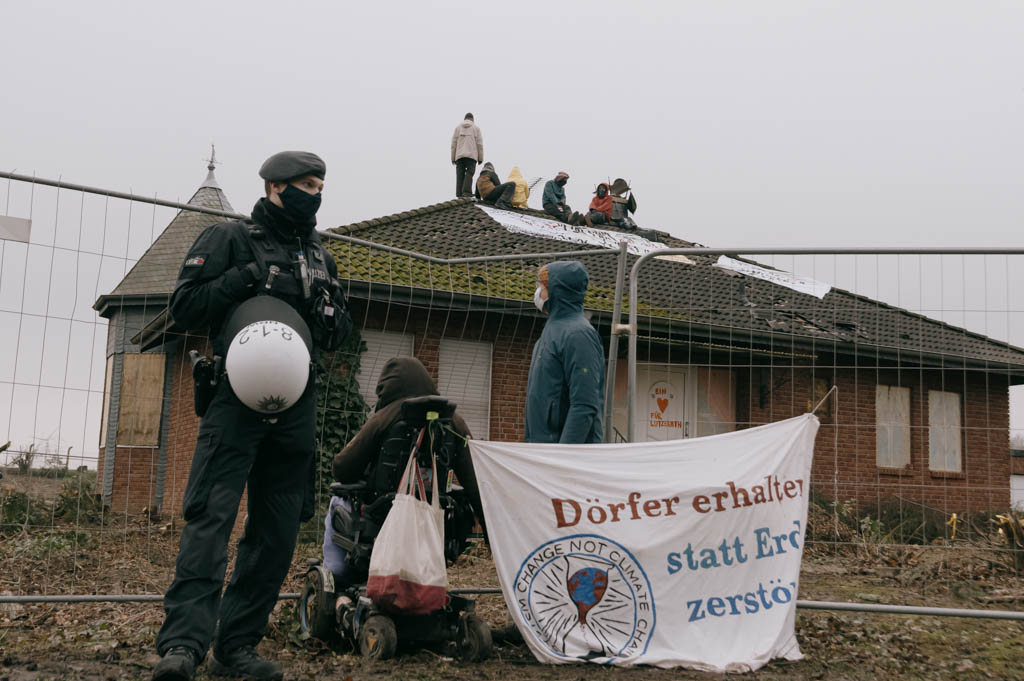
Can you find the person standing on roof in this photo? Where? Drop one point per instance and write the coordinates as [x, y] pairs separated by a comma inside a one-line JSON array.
[[565, 387], [467, 151], [600, 211], [490, 189], [554, 200]]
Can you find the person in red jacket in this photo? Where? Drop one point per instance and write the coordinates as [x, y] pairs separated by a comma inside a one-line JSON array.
[[600, 212]]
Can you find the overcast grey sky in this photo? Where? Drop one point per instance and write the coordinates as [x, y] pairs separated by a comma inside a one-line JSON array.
[[737, 123]]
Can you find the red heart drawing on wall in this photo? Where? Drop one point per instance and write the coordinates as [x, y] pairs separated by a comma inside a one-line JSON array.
[[662, 404]]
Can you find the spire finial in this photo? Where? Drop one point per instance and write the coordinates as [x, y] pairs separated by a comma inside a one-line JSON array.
[[211, 181], [213, 158]]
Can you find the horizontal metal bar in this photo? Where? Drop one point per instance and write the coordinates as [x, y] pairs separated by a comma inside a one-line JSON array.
[[838, 250], [462, 261], [528, 256], [804, 605], [911, 610], [381, 247], [104, 598], [475, 591], [121, 195]]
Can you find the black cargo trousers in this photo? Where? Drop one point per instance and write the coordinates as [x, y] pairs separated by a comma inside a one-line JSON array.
[[237, 446]]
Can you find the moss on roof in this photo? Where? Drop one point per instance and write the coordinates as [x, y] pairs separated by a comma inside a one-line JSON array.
[[508, 280]]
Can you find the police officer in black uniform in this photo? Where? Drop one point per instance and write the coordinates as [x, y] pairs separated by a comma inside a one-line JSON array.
[[276, 253]]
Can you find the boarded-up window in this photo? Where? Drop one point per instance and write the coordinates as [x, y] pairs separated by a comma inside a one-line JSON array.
[[107, 384], [141, 400], [944, 440], [380, 347], [464, 377], [892, 426]]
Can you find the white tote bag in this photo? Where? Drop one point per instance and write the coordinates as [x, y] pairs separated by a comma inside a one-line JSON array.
[[407, 572]]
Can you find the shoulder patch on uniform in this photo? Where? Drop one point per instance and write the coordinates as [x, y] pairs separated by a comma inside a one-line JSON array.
[[195, 261]]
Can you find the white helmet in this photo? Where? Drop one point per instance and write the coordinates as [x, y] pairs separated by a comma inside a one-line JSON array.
[[267, 361]]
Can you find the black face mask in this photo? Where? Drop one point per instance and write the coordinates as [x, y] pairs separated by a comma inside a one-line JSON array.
[[299, 205], [601, 192], [561, 183]]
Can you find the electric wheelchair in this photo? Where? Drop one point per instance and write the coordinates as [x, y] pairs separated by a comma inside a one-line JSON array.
[[336, 606]]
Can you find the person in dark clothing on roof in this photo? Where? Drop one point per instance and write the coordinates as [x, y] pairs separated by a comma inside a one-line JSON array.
[[554, 200], [278, 254], [600, 212], [490, 188], [622, 206], [565, 387]]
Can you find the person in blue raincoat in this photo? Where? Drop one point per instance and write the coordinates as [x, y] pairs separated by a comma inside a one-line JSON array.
[[565, 388]]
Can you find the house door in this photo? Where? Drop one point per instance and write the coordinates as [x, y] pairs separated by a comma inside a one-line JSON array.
[[663, 403]]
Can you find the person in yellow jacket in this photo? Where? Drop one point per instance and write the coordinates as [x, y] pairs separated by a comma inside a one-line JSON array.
[[522, 193]]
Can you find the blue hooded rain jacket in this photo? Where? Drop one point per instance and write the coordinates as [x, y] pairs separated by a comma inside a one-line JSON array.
[[565, 389]]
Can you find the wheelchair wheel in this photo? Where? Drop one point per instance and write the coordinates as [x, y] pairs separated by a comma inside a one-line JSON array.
[[316, 608], [378, 638], [473, 638]]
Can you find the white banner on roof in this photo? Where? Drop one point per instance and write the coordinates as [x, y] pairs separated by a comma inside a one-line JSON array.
[[676, 553], [802, 284], [559, 231]]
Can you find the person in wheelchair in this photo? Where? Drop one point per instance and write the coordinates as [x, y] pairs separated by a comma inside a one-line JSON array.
[[409, 413]]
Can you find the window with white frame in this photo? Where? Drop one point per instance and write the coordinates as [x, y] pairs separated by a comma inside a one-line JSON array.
[[892, 426], [380, 347], [944, 436], [464, 377]]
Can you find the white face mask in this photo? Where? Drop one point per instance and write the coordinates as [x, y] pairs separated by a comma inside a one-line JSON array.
[[537, 300]]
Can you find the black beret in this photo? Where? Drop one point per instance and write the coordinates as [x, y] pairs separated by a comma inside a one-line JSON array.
[[285, 165]]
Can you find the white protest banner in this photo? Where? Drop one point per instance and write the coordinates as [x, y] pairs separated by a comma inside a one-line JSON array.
[[797, 283], [553, 229], [678, 553]]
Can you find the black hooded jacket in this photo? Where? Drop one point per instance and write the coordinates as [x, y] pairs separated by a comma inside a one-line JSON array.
[[401, 379]]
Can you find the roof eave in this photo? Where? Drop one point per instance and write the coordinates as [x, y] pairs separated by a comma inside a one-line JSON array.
[[470, 302], [106, 305]]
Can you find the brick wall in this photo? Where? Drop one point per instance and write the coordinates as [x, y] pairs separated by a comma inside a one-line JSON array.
[[134, 480], [844, 457], [512, 336], [183, 427]]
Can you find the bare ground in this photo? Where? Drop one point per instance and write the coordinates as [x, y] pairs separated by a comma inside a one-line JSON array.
[[97, 642]]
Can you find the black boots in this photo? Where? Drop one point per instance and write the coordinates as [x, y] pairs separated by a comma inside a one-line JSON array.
[[246, 662], [178, 664]]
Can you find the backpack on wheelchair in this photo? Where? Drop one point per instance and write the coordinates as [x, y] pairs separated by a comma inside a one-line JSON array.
[[334, 605]]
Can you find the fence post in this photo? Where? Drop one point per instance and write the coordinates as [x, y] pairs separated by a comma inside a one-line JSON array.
[[613, 344]]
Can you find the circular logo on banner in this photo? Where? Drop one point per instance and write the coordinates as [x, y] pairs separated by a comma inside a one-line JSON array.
[[586, 597]]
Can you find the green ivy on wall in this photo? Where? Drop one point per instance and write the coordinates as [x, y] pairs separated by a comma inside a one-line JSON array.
[[341, 411]]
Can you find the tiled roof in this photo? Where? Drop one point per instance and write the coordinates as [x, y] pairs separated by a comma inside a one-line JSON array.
[[677, 295], [157, 270]]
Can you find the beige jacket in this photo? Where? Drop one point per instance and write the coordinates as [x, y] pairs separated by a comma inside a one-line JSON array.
[[468, 142]]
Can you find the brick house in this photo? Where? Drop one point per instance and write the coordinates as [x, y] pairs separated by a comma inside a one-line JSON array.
[[921, 415]]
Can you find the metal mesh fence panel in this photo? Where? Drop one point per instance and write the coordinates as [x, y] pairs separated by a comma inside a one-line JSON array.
[[914, 352], [912, 357]]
